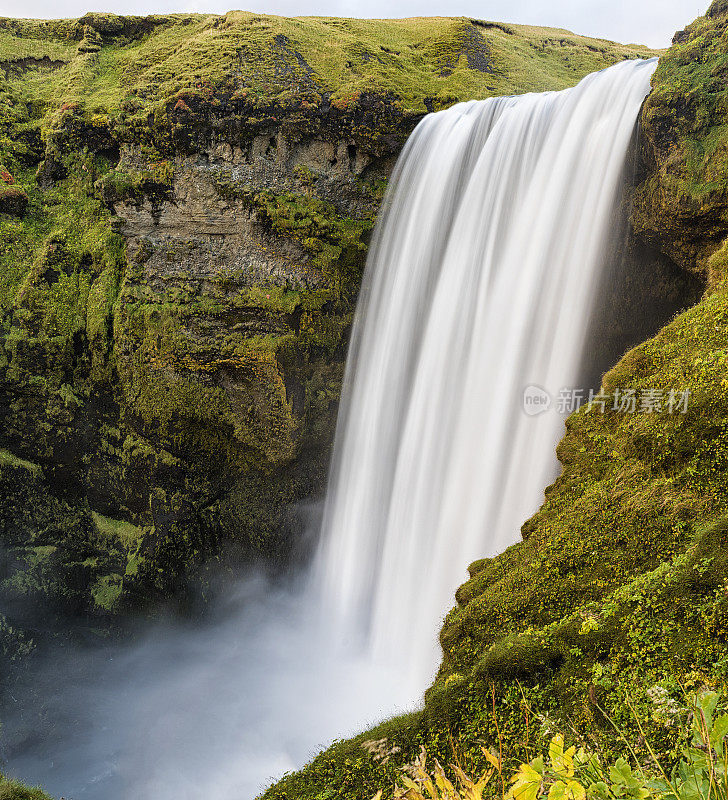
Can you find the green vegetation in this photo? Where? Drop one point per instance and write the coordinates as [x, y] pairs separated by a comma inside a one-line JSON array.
[[129, 534], [14, 790], [683, 201], [9, 460], [567, 774], [125, 64]]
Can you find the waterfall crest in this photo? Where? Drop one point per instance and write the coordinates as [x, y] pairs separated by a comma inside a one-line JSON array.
[[480, 281]]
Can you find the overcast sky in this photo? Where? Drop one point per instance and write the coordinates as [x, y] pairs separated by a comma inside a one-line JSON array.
[[650, 22]]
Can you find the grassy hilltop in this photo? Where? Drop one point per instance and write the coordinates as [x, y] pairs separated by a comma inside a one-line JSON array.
[[110, 62]]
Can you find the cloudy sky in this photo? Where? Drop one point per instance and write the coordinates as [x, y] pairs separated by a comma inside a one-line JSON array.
[[649, 22]]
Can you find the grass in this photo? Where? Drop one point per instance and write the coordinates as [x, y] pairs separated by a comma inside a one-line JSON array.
[[9, 460], [16, 48], [127, 533], [14, 790], [570, 774], [442, 58]]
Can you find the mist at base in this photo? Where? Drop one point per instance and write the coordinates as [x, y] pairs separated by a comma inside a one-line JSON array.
[[218, 709]]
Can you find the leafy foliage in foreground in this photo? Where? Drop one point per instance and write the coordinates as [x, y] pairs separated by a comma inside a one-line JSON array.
[[701, 773]]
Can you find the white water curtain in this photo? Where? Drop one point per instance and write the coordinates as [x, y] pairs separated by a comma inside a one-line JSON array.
[[480, 281]]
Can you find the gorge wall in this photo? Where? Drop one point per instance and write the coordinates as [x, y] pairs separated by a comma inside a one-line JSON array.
[[185, 209]]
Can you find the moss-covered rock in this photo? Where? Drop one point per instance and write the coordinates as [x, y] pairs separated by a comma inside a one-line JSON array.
[[13, 201], [681, 205]]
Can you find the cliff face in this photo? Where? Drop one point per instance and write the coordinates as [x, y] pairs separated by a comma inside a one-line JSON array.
[[682, 205], [618, 587], [185, 204], [174, 341]]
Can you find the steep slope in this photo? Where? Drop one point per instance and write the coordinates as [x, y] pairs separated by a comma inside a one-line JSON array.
[[614, 603], [185, 203]]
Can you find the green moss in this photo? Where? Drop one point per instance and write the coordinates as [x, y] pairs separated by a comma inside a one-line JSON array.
[[107, 591], [682, 203], [51, 259], [154, 182], [280, 299], [127, 533], [330, 238], [9, 460]]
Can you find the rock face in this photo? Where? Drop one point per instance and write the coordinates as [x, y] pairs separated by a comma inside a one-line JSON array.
[[176, 301], [682, 205], [193, 402]]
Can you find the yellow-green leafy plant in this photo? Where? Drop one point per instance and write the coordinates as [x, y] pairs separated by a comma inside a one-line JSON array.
[[574, 775], [416, 783], [700, 774]]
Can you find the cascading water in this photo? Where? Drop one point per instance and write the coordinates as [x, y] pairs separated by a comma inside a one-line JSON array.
[[480, 281]]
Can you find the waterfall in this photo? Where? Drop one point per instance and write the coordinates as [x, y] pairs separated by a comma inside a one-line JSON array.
[[480, 282]]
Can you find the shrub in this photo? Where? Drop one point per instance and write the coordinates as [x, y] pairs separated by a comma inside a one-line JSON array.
[[12, 790]]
